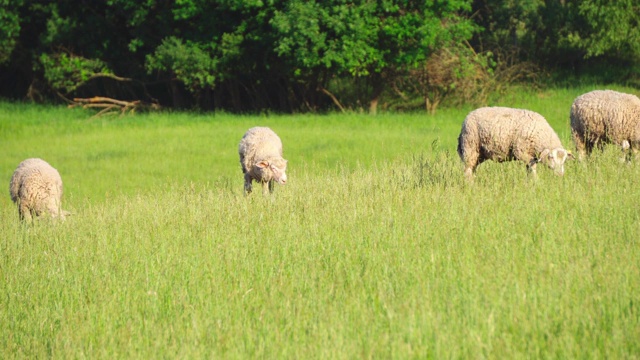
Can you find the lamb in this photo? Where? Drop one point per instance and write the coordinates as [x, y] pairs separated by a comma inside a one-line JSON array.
[[261, 159], [605, 116], [36, 188], [504, 134]]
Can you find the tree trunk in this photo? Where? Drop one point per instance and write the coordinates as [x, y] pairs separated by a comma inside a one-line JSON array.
[[176, 94], [375, 97]]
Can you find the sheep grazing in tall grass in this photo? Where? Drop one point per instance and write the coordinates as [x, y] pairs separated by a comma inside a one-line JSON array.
[[605, 116], [261, 159], [505, 134], [36, 188]]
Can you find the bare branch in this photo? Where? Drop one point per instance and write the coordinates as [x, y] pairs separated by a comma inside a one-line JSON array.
[[333, 98], [110, 106]]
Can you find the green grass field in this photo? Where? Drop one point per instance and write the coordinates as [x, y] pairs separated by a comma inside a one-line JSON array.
[[376, 248]]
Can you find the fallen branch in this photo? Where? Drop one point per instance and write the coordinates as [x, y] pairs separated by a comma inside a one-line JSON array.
[[110, 106], [333, 98]]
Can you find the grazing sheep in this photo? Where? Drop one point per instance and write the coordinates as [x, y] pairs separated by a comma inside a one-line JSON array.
[[605, 116], [261, 159], [504, 134], [36, 188]]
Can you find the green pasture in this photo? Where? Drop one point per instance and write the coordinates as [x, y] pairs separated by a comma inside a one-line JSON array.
[[376, 247]]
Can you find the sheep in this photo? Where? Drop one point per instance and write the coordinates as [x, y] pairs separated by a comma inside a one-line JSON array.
[[504, 134], [261, 159], [36, 188], [605, 116]]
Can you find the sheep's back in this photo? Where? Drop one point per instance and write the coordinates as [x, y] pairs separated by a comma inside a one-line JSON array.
[[608, 113], [494, 126], [33, 180], [499, 132], [259, 143]]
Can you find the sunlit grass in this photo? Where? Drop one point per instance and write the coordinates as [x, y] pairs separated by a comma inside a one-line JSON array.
[[376, 247]]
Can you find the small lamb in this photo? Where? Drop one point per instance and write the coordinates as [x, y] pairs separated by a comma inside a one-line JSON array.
[[36, 188], [504, 134], [261, 159], [605, 116]]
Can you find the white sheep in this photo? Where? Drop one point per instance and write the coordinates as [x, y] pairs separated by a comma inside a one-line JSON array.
[[605, 116], [504, 134], [36, 188], [261, 159]]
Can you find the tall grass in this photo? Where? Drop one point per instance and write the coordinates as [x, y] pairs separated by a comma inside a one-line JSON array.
[[375, 248]]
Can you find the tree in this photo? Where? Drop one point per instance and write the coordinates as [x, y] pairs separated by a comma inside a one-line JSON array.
[[557, 34], [9, 27], [224, 48], [297, 55], [377, 41], [613, 28]]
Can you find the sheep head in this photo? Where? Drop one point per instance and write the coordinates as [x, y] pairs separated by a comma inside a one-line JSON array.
[[273, 169], [555, 159]]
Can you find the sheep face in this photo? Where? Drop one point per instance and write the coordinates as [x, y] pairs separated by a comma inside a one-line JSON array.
[[274, 170], [555, 159]]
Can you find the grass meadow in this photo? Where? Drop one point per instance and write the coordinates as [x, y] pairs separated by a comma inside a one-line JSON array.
[[376, 247]]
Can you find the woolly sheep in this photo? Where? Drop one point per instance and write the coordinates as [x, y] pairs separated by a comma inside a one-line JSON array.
[[504, 134], [261, 159], [36, 188], [605, 116]]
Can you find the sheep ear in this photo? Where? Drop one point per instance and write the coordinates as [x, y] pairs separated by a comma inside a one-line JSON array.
[[262, 164]]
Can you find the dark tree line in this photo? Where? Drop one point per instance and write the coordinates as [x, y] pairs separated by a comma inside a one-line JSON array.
[[301, 55]]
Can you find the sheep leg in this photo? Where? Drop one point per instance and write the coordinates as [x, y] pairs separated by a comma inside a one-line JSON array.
[[634, 153], [244, 169], [247, 183], [626, 151], [588, 147], [468, 172], [578, 139], [470, 167], [597, 143], [471, 161], [531, 167], [25, 213], [266, 187], [21, 213], [271, 186]]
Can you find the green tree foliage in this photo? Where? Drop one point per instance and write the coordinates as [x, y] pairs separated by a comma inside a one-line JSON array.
[[112, 33], [323, 36], [560, 33], [224, 46], [374, 40], [9, 27], [295, 55], [507, 23], [66, 72], [191, 63], [613, 28], [452, 71]]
